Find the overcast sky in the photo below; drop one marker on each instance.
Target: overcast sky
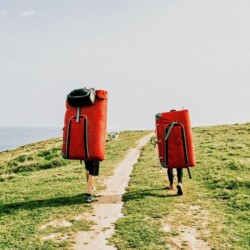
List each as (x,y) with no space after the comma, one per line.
(150,55)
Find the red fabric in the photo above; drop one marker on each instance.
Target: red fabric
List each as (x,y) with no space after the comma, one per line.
(96,116)
(171,154)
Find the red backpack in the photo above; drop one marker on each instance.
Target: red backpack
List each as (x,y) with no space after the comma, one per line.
(85,124)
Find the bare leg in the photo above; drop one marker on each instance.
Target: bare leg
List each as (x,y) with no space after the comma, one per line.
(91,182)
(87,176)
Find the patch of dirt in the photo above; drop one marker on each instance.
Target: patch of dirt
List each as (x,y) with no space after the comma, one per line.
(57,223)
(189,237)
(56,236)
(109,205)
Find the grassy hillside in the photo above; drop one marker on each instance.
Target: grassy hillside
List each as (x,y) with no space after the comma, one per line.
(214,209)
(38,187)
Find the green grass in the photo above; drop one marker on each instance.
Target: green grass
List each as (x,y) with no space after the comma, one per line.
(37,187)
(223,158)
(215,202)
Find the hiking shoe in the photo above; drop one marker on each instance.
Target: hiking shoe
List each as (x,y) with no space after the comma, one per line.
(170,187)
(179,189)
(90,198)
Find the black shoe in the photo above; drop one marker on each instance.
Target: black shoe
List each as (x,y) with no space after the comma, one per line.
(179,189)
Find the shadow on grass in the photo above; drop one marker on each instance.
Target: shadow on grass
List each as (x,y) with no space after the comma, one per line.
(79,199)
(132,195)
(35,204)
(141,194)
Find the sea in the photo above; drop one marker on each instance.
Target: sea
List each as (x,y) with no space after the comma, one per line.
(14,137)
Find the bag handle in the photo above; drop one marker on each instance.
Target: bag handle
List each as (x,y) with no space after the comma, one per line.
(85,134)
(172,125)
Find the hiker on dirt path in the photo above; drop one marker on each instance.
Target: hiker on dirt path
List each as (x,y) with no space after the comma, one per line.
(170,174)
(92,170)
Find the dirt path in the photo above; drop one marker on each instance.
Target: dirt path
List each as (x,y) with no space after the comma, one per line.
(108,208)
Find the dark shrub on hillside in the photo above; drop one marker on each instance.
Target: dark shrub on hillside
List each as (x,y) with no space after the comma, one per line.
(43,153)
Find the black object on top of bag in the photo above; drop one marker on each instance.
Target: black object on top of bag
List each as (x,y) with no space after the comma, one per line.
(81,97)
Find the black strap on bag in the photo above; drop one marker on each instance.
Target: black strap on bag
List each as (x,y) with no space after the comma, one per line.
(168,131)
(81,97)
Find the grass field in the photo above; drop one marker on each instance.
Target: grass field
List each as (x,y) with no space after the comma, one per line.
(214,207)
(37,186)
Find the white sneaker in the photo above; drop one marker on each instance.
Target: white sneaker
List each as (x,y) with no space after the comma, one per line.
(90,198)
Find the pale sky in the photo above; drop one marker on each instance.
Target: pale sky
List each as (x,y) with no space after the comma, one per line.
(150,55)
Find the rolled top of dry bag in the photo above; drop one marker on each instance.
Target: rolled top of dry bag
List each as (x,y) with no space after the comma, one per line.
(81,97)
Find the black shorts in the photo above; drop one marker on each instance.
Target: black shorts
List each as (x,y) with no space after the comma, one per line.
(92,167)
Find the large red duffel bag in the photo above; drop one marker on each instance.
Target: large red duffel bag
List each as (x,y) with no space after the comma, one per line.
(175,139)
(85,123)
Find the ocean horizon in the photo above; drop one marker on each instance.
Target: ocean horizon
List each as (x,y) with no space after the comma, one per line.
(14,137)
